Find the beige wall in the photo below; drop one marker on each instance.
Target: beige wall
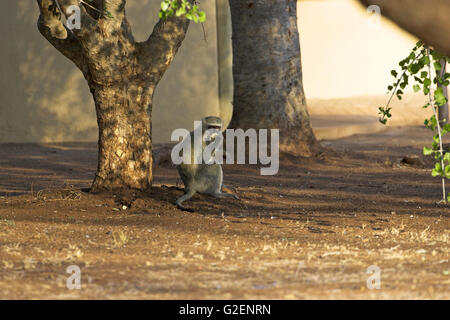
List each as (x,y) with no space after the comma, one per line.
(45,98)
(346,68)
(347,61)
(342,55)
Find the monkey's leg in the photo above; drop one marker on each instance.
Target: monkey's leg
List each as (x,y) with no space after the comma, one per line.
(183,198)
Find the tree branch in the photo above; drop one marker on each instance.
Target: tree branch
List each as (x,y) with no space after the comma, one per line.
(51,27)
(51,18)
(116,8)
(88,24)
(428,20)
(160,48)
(111,15)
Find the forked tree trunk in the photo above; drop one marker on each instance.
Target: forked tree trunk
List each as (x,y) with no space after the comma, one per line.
(268,88)
(122,75)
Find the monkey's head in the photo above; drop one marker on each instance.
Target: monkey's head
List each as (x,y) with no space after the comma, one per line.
(212,123)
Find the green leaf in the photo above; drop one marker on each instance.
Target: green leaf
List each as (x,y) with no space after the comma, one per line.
(437,171)
(437,55)
(427,151)
(181,11)
(436,138)
(414,68)
(447,172)
(447,158)
(437,66)
(446,127)
(439,97)
(394,73)
(164,5)
(434,145)
(202,16)
(416,88)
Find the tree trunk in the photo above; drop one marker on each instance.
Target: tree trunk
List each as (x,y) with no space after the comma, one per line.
(268,88)
(122,75)
(443,110)
(125,146)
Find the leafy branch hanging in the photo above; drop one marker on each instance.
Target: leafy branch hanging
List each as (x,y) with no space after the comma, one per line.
(418,66)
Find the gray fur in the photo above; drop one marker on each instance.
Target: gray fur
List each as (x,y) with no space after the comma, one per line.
(202,178)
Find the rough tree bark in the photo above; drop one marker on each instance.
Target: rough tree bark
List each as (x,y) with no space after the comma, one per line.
(268,88)
(428,20)
(122,75)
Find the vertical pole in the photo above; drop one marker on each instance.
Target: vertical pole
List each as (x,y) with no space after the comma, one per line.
(224,60)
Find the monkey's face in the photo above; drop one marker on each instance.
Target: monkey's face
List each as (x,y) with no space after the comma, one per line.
(212,127)
(212,123)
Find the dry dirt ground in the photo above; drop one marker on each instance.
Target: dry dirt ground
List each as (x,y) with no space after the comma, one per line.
(310,232)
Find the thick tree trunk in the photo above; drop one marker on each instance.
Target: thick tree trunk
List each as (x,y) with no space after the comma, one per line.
(443,110)
(268,89)
(122,75)
(125,146)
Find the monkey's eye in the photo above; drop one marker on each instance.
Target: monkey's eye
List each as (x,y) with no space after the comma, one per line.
(214,127)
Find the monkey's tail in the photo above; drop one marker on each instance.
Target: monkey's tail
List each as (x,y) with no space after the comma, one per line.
(182,208)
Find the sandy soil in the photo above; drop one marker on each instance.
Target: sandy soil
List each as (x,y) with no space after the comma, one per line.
(312,231)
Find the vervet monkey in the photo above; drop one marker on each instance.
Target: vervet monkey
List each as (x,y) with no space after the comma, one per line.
(202,178)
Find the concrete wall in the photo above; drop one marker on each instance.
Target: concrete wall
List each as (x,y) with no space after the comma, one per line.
(343,54)
(45,98)
(347,58)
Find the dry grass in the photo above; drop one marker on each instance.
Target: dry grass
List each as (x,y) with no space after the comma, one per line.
(62,193)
